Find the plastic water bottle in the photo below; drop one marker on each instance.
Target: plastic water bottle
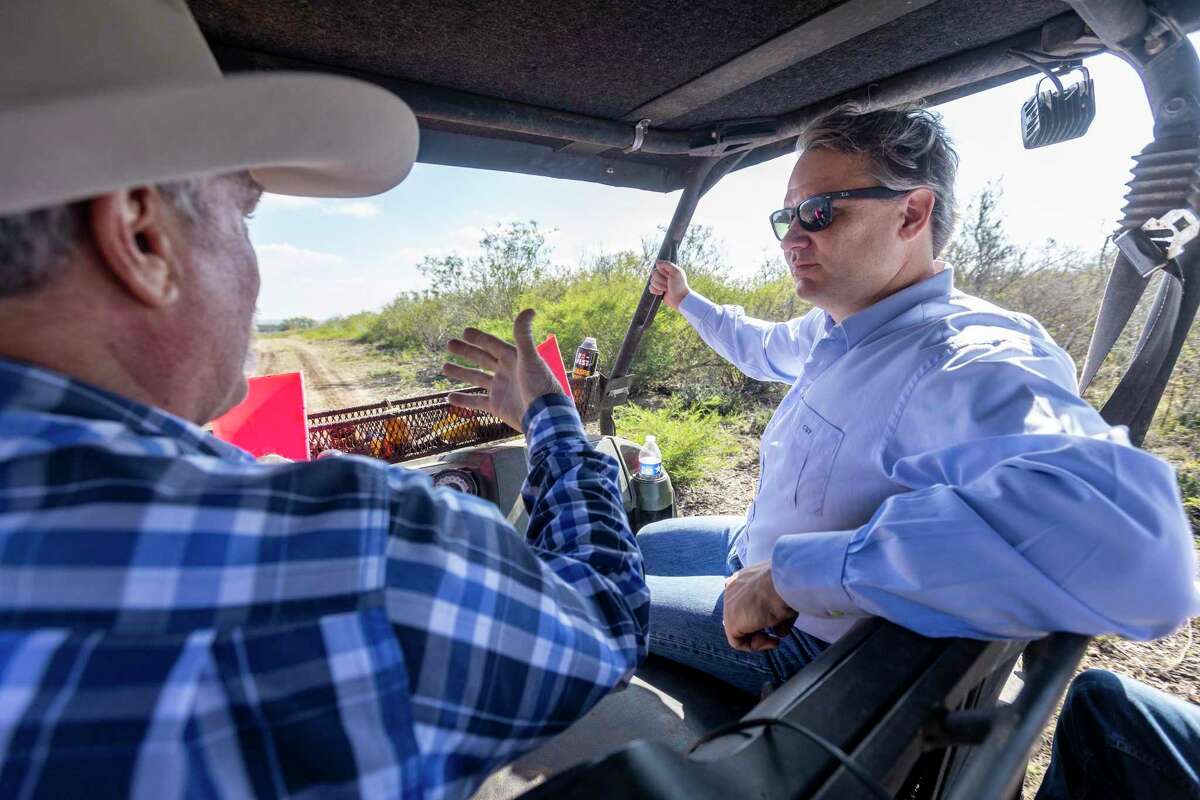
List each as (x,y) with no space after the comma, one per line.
(653,495)
(649,460)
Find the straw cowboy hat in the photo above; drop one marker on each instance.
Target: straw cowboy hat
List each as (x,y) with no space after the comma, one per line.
(98,95)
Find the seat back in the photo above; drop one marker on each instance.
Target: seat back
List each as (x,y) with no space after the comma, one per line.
(885,695)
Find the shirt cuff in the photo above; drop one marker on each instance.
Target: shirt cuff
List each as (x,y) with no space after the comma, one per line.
(807,570)
(697,309)
(549,419)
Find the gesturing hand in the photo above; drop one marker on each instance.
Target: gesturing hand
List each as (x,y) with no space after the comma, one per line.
(518,375)
(751,606)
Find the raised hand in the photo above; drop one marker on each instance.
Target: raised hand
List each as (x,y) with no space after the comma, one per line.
(670,281)
(513,376)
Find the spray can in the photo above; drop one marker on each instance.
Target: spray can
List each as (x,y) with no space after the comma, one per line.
(587,358)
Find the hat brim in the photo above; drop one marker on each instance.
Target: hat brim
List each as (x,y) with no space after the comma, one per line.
(298,133)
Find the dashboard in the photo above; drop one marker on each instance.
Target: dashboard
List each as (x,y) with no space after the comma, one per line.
(496,472)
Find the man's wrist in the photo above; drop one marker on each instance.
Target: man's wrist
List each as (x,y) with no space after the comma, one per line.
(807,571)
(549,419)
(696,308)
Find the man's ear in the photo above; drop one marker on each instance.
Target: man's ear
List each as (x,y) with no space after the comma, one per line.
(138,240)
(918,209)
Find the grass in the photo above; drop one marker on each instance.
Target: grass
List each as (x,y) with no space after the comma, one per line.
(694,441)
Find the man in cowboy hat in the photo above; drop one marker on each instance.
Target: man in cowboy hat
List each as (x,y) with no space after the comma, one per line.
(174,617)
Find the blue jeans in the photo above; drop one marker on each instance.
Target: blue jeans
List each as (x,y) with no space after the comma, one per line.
(687,561)
(1120,738)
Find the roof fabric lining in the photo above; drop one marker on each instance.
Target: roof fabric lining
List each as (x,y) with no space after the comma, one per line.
(606,59)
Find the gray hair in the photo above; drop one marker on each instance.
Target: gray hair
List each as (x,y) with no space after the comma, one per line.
(34,244)
(908,148)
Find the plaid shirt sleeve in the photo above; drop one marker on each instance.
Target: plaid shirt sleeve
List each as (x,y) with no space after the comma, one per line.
(507,641)
(179,621)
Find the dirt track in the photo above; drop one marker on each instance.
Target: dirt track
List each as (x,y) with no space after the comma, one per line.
(326,384)
(338,374)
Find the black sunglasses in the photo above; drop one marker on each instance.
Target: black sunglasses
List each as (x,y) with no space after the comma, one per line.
(816,213)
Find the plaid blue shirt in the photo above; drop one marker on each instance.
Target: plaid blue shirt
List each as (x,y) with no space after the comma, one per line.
(176,619)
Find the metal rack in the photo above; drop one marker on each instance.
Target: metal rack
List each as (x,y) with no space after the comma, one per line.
(414,427)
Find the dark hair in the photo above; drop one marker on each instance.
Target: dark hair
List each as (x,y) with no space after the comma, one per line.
(908,148)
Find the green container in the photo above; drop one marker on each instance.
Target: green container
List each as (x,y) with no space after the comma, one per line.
(654,499)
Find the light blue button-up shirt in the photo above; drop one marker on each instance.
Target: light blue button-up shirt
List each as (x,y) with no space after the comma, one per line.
(933,464)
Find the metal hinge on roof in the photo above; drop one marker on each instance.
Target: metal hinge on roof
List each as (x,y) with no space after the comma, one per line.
(726,137)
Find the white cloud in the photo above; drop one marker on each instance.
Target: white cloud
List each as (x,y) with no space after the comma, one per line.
(411,256)
(298,281)
(362,209)
(359,209)
(465,239)
(283,201)
(290,257)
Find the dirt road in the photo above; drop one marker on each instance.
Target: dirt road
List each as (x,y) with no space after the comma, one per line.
(338,374)
(327,383)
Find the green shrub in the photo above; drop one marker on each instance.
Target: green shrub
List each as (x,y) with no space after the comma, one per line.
(512,259)
(1188,474)
(671,354)
(694,442)
(349,328)
(774,298)
(415,322)
(297,324)
(1187,421)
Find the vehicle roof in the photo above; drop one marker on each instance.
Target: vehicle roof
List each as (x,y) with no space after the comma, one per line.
(557,88)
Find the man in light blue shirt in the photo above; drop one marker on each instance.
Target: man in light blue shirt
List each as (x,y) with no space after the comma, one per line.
(932,463)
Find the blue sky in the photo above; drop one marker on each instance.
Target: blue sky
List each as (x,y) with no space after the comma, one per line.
(321,258)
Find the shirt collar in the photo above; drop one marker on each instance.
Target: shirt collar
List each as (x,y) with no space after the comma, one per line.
(29,388)
(902,306)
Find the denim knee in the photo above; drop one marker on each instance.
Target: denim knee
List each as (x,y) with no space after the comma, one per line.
(1096,696)
(656,527)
